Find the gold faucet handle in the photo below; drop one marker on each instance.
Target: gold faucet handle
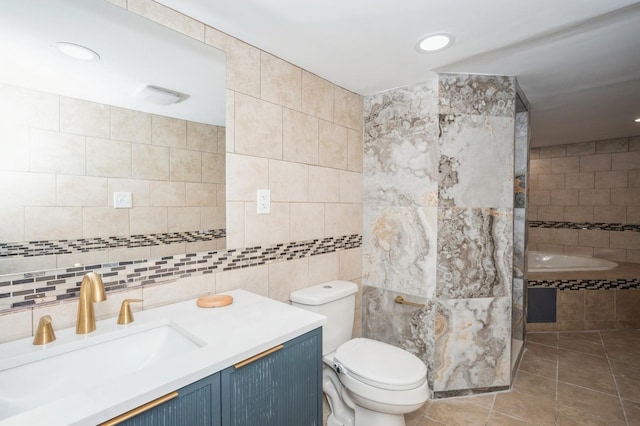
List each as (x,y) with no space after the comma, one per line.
(44,333)
(126,316)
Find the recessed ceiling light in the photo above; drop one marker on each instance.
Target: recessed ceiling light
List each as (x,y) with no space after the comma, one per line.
(637,120)
(77,52)
(434,42)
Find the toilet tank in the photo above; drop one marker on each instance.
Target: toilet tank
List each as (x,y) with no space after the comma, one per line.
(336,300)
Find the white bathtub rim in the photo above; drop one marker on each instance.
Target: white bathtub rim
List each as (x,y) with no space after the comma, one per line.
(566,263)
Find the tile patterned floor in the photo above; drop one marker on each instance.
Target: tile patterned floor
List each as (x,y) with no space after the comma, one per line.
(565,378)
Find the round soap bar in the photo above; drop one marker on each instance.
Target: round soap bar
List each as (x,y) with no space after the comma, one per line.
(214,301)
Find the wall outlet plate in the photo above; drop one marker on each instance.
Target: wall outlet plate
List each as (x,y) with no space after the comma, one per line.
(264,201)
(122,200)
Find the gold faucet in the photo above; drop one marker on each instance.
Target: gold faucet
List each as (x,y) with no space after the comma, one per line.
(91,290)
(45,333)
(126,316)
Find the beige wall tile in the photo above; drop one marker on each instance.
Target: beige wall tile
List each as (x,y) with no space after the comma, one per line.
(348,109)
(539,235)
(324,184)
(243,67)
(184,289)
(104,222)
(108,158)
(185,165)
(565,164)
(552,181)
(88,258)
(351,264)
(27,189)
(333,145)
(350,187)
(534,153)
(258,127)
(288,181)
(14,147)
(53,223)
(617,255)
(627,305)
(317,96)
(580,180)
(355,150)
(20,265)
(633,256)
(634,143)
(149,162)
(578,213)
(553,151)
(111,307)
(246,174)
(81,191)
(213,167)
(148,220)
(540,166)
(202,137)
(235,225)
(169,132)
(594,163)
(565,197)
(300,137)
(286,277)
(593,238)
(168,194)
(625,197)
(307,221)
(213,217)
(280,82)
(265,229)
(570,305)
(168,17)
(594,197)
(610,214)
(140,190)
(181,219)
(625,240)
(584,148)
(12,223)
(324,268)
(633,214)
(634,178)
(255,280)
(222,139)
(539,198)
(230,129)
(53,152)
(552,213)
(612,145)
(578,251)
(563,236)
(342,219)
(201,194)
(123,253)
(16,325)
(84,118)
(614,179)
(131,126)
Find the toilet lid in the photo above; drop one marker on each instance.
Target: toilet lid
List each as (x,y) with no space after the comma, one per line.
(381,365)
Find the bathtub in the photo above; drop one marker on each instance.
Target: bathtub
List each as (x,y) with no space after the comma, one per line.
(551,262)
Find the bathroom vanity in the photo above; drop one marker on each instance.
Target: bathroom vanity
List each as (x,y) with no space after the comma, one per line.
(256,361)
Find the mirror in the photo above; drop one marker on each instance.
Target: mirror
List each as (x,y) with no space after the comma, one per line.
(114,158)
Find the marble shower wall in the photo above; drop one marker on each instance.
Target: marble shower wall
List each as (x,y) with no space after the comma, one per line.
(438,226)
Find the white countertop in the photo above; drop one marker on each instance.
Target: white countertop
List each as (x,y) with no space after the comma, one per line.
(250,325)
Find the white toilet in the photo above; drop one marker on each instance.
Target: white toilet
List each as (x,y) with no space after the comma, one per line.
(367,383)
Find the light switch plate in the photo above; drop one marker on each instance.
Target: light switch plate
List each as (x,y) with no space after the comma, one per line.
(122,200)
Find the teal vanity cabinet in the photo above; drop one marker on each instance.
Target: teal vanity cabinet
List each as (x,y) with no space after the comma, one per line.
(197,404)
(281,386)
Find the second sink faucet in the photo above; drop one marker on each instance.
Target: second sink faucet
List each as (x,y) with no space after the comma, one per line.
(91,290)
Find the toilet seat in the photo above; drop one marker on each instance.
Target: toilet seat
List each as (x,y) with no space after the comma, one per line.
(380,365)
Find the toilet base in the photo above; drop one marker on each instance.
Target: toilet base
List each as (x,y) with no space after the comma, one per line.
(364,416)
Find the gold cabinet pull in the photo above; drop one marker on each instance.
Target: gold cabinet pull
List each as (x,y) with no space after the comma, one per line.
(400,299)
(141,409)
(258,356)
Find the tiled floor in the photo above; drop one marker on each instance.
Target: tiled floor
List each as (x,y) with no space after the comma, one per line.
(566,378)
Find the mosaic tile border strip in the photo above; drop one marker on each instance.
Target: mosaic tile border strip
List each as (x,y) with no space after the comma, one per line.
(84,245)
(584,226)
(21,290)
(617,284)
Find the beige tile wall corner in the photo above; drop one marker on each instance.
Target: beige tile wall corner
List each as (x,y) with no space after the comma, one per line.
(315,104)
(592,182)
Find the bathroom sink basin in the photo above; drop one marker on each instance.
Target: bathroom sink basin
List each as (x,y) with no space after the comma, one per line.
(64,368)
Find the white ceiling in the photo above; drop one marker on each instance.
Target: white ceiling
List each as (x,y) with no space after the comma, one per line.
(578,61)
(134,52)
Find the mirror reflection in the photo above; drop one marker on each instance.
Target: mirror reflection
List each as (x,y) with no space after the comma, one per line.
(116,153)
